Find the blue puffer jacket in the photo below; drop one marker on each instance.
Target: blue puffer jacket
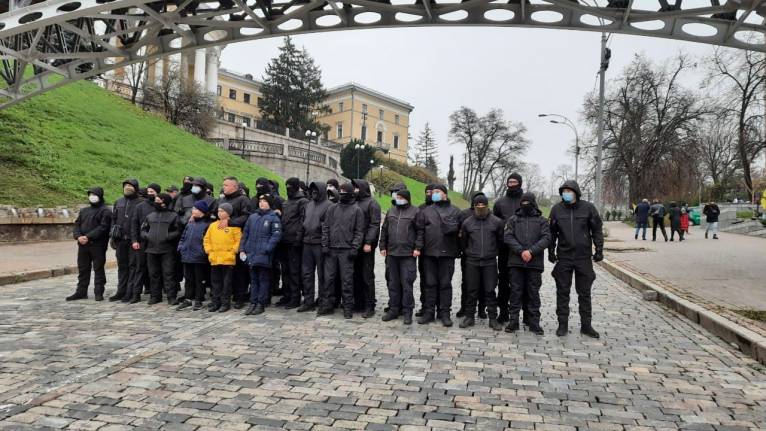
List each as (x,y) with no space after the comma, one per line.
(190,247)
(260,236)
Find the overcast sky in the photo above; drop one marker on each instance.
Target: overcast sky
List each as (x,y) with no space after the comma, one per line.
(522,71)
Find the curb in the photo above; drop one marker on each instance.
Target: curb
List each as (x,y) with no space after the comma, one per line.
(748,341)
(21,277)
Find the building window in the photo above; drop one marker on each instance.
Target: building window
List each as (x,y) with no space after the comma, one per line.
(380,136)
(396,142)
(380,114)
(247,98)
(339,130)
(259,101)
(363,136)
(364,108)
(340,107)
(396,119)
(219,90)
(233,94)
(246,120)
(231,117)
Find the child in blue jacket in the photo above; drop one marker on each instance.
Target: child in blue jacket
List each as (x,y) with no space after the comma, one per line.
(260,237)
(193,256)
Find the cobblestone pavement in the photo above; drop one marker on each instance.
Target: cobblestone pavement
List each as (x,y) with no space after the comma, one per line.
(107,366)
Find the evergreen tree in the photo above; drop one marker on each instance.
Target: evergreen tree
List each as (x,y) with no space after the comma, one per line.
(356,163)
(425,152)
(293,90)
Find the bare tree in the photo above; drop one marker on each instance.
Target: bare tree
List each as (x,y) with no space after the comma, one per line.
(533,178)
(718,150)
(740,74)
(183,103)
(135,77)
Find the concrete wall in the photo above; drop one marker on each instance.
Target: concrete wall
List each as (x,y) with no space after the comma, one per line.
(21,230)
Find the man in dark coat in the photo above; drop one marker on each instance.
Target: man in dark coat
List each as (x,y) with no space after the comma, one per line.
(481,234)
(401,240)
(160,231)
(505,207)
(311,235)
(342,236)
(428,191)
(364,264)
(293,213)
(642,217)
(127,259)
(711,212)
(675,222)
(139,283)
(527,235)
(464,215)
(576,229)
(657,212)
(91,231)
(241,210)
(439,222)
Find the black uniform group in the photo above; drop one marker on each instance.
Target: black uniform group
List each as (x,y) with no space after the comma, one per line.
(325,234)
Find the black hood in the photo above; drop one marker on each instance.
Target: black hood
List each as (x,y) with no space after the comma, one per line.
(473,196)
(364,188)
(98,191)
(132,182)
(321,189)
(571,184)
(530,197)
(274,187)
(293,186)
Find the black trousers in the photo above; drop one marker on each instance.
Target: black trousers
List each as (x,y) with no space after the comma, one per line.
(401,272)
(125,264)
(673,232)
(240,281)
(422,282)
(503,280)
(364,280)
(91,257)
(584,278)
(312,263)
(194,281)
(221,283)
(480,284)
(658,221)
(525,283)
(464,289)
(138,273)
(338,264)
(162,272)
(438,273)
(291,273)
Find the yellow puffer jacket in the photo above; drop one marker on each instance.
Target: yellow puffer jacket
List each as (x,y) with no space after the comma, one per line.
(222,245)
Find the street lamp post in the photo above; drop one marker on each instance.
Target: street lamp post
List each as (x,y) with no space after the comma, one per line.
(309,134)
(358,147)
(571,125)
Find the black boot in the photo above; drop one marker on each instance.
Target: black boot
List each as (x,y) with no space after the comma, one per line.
(184,304)
(407,319)
(705,235)
(259,309)
(446,321)
(503,316)
(115,298)
(197,306)
(588,331)
(213,307)
(467,322)
(348,314)
(425,318)
(715,236)
(224,308)
(250,310)
(370,312)
(494,324)
(307,307)
(536,329)
(239,305)
(153,301)
(512,327)
(292,305)
(460,313)
(419,313)
(562,330)
(324,310)
(173,301)
(135,300)
(390,315)
(99,297)
(76,296)
(482,313)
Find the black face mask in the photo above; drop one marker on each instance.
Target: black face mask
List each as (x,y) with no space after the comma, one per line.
(291,191)
(157,205)
(315,195)
(527,209)
(346,198)
(514,191)
(186,188)
(332,197)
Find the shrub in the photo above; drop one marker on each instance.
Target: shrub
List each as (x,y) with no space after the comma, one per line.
(415,172)
(383,181)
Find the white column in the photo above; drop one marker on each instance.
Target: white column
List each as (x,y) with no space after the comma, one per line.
(211,77)
(200,68)
(183,67)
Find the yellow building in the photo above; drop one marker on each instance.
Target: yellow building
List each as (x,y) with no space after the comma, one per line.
(238,98)
(358,112)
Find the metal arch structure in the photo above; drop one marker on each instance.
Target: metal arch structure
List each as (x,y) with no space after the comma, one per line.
(45,44)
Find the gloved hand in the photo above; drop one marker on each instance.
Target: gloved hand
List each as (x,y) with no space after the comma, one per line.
(552,257)
(598,256)
(243,256)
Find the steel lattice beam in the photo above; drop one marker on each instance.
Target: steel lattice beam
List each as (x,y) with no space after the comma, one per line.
(47,44)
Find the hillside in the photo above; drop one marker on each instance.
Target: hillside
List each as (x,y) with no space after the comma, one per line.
(417,189)
(56,145)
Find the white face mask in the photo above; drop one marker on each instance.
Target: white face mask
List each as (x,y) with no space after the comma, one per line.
(93,199)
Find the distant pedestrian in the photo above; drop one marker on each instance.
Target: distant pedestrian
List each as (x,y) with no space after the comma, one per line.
(675,222)
(684,218)
(711,212)
(91,231)
(657,211)
(642,218)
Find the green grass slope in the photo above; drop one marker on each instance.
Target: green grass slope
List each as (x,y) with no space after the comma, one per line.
(54,146)
(417,189)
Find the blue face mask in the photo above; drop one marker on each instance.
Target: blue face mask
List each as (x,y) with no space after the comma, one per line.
(568,197)
(196,189)
(436,197)
(401,202)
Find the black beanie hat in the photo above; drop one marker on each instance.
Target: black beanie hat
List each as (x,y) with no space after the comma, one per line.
(268,198)
(405,194)
(480,199)
(441,187)
(156,187)
(166,199)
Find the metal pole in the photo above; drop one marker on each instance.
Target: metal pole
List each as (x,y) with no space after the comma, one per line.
(308,160)
(600,130)
(243,141)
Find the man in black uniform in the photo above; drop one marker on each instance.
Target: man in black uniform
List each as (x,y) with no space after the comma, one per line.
(139,282)
(342,234)
(428,191)
(91,231)
(233,195)
(439,222)
(127,259)
(464,215)
(364,264)
(293,212)
(505,207)
(160,232)
(311,235)
(575,229)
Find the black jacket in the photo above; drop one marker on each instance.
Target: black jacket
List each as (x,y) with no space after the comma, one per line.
(371,211)
(401,235)
(711,213)
(440,224)
(642,212)
(506,206)
(674,213)
(311,232)
(185,202)
(527,232)
(343,227)
(94,221)
(293,212)
(480,239)
(123,209)
(241,205)
(161,231)
(575,228)
(142,211)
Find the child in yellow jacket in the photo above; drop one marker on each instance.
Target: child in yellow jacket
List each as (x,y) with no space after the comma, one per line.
(222,245)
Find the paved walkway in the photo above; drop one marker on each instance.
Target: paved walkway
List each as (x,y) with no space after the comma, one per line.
(729,272)
(107,366)
(18,258)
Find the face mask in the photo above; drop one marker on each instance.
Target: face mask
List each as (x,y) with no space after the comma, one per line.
(186,188)
(526,208)
(158,205)
(151,196)
(400,202)
(436,197)
(93,199)
(196,189)
(568,197)
(346,197)
(481,212)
